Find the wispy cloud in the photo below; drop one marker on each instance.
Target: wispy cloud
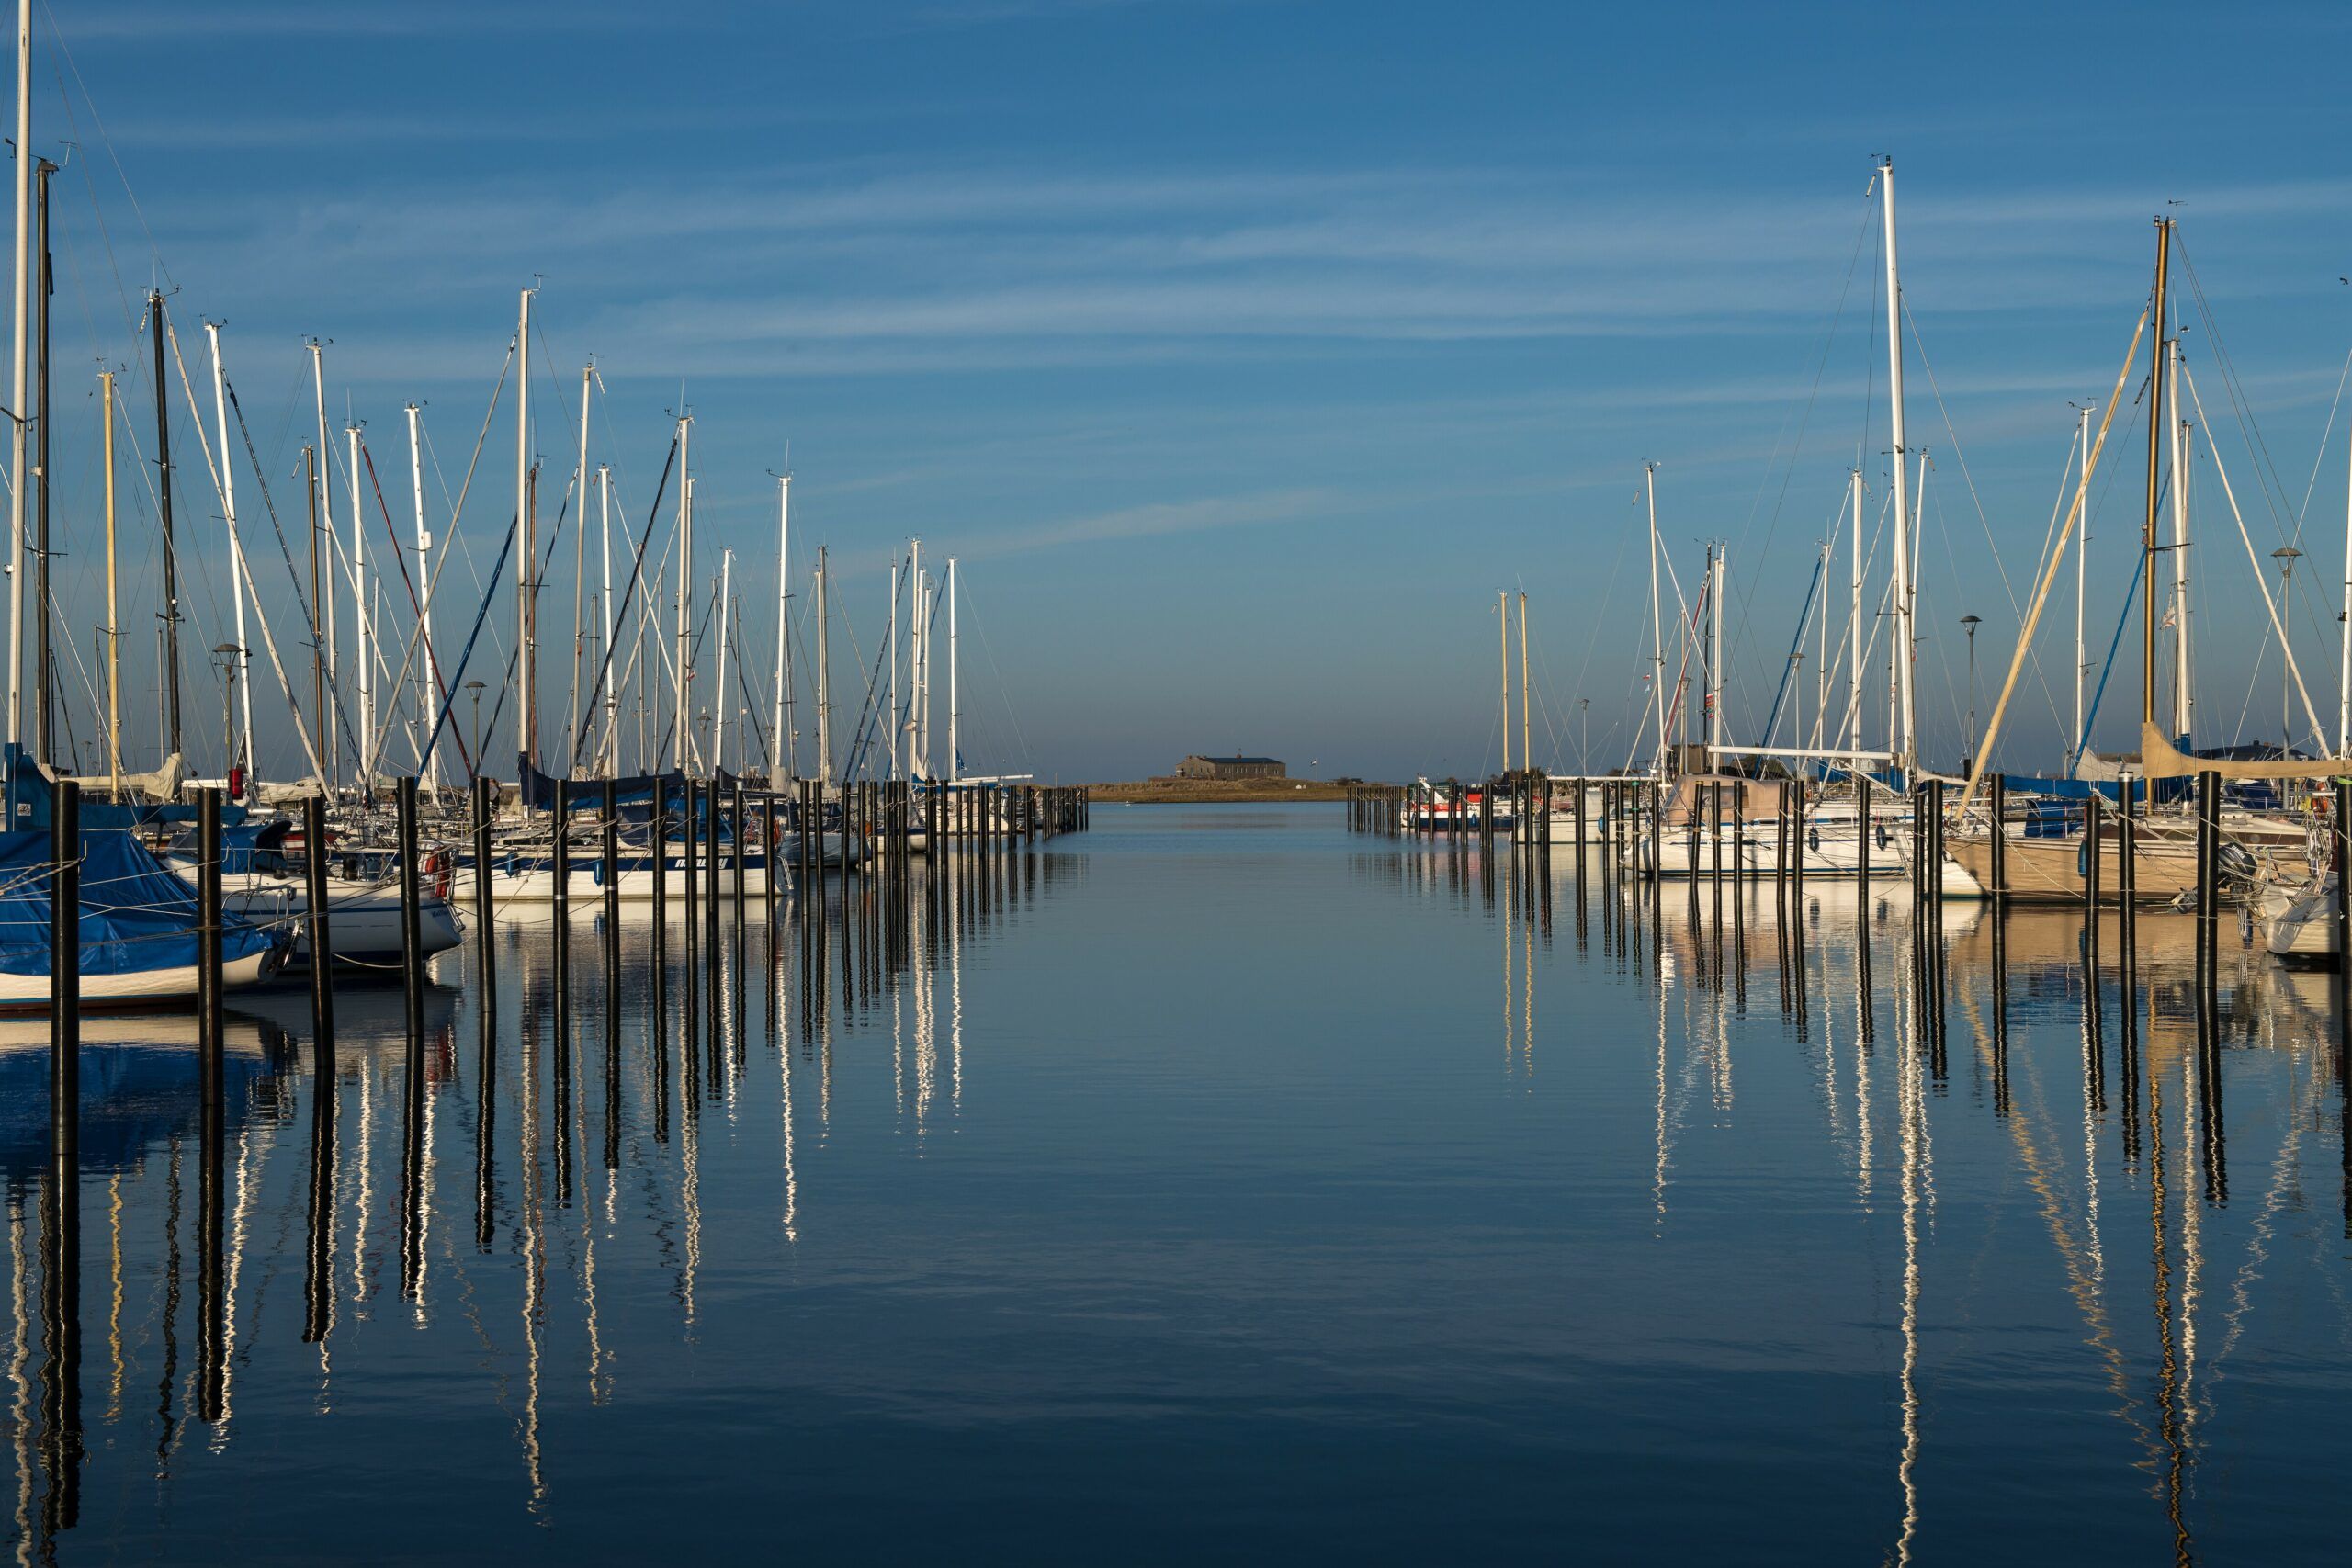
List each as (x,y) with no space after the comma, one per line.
(176,24)
(830,269)
(1255,508)
(981,13)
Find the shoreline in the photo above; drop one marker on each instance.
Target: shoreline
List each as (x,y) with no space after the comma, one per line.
(1216,792)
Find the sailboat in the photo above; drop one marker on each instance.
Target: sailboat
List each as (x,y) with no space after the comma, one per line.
(2047,862)
(138,929)
(1730,820)
(261,883)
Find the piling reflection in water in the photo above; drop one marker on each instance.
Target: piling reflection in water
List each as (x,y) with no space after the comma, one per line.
(2164,1022)
(613,1143)
(195,1185)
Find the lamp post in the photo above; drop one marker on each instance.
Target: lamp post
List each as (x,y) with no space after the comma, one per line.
(224,655)
(1970,623)
(2286,556)
(474,690)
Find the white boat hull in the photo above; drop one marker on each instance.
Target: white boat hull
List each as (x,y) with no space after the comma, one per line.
(172,986)
(362,919)
(2299,921)
(1752,849)
(532,880)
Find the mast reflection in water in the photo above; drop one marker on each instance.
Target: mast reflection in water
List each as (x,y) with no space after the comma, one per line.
(1215,1176)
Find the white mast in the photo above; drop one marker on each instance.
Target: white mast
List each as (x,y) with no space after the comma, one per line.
(1502,620)
(930,603)
(1903,747)
(2182,450)
(526,714)
(824,685)
(579,568)
(1821,638)
(2344,688)
(918,741)
(20,483)
(685,558)
(359,624)
(891,685)
(1854,621)
(325,481)
(1658,628)
(1716,651)
(114,626)
(611,748)
(954,742)
(780,746)
(244,664)
(720,701)
(424,683)
(2082,495)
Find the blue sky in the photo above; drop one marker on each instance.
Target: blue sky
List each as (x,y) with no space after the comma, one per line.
(1242,349)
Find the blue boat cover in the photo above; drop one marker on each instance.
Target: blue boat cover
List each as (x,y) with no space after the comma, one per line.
(136,915)
(539,790)
(250,847)
(27,802)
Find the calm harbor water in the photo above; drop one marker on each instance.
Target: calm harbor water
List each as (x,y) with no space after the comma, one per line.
(1218,1182)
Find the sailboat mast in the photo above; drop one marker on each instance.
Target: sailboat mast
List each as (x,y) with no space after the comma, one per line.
(317,634)
(17,476)
(824,683)
(2081,665)
(1502,625)
(425,602)
(685,557)
(2344,678)
(1854,621)
(611,750)
(954,741)
(526,556)
(890,686)
(780,747)
(916,759)
(928,596)
(360,622)
(572,732)
(2176,430)
(1657,627)
(114,625)
(240,748)
(1903,747)
(2157,355)
(722,702)
(1821,658)
(323,490)
(1718,578)
(45,662)
(1526,744)
(163,513)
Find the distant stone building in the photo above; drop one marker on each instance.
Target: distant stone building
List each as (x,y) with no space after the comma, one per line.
(1234,767)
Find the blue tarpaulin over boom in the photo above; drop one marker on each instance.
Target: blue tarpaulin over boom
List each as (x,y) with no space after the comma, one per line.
(538,790)
(136,915)
(27,794)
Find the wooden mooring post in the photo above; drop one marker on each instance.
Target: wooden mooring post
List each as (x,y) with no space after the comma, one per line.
(315,924)
(65,981)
